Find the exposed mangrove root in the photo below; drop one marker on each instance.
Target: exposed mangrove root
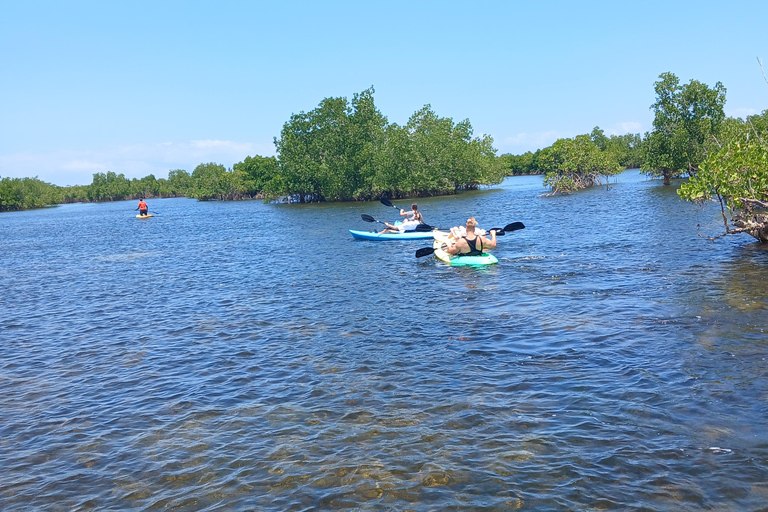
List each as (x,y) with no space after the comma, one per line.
(567,182)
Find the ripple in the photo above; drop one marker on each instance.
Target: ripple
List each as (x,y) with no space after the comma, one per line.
(192,367)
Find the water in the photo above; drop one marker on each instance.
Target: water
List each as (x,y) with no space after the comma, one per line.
(242,356)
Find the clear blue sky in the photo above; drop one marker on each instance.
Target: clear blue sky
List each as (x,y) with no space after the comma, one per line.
(144,87)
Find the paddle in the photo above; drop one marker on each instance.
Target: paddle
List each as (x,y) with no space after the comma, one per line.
(426,251)
(509,227)
(387,202)
(368,218)
(499,231)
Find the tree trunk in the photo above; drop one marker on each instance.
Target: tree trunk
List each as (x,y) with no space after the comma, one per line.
(754,225)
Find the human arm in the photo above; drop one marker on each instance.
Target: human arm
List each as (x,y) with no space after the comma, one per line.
(455,247)
(492,242)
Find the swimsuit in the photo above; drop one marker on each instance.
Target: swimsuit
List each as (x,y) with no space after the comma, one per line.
(474,251)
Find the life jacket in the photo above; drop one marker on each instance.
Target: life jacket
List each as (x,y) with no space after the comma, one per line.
(142,205)
(473,250)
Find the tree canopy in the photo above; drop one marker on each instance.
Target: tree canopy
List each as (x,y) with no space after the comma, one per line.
(687,117)
(341,152)
(27,193)
(573,164)
(627,150)
(736,175)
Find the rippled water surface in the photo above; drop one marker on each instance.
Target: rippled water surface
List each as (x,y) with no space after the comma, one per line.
(243,356)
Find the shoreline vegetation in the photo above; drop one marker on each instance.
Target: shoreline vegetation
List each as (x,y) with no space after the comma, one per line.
(348,151)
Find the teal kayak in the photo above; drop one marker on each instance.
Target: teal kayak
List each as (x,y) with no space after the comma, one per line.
(459,261)
(408,235)
(465,261)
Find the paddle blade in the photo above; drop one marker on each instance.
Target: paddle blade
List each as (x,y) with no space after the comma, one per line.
(387,202)
(514,226)
(425,227)
(367,218)
(424,251)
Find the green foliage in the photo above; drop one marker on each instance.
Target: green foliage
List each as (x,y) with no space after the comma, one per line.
(517,165)
(259,171)
(213,181)
(598,138)
(687,119)
(26,193)
(627,150)
(144,187)
(74,194)
(340,152)
(179,182)
(573,164)
(109,187)
(208,182)
(329,153)
(737,176)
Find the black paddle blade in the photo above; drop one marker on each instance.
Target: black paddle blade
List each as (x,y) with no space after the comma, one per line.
(387,202)
(367,218)
(424,251)
(514,226)
(425,227)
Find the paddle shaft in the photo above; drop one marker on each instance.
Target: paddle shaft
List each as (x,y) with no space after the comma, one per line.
(426,251)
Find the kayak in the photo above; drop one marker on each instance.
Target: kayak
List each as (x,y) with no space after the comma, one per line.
(459,261)
(408,235)
(144,216)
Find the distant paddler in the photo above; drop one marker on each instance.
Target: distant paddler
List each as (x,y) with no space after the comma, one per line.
(143,208)
(412,219)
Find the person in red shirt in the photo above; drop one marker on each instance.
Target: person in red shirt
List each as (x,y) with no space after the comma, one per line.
(142,207)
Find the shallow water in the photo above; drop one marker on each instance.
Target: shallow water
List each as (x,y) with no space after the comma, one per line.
(242,356)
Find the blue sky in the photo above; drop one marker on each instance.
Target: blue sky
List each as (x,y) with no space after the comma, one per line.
(144,87)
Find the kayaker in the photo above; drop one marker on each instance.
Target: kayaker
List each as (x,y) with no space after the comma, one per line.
(143,209)
(412,219)
(473,243)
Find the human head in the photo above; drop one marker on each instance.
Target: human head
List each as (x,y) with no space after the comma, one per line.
(414,207)
(471,223)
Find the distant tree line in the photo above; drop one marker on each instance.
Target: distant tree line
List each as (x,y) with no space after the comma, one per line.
(625,150)
(348,151)
(340,151)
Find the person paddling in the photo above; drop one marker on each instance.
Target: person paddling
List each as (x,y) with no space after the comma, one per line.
(412,219)
(143,209)
(473,243)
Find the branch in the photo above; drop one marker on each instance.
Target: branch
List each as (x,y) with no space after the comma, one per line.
(722,210)
(730,232)
(756,202)
(757,134)
(761,69)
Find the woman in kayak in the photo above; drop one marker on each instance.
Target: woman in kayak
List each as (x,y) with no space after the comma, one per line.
(412,219)
(473,243)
